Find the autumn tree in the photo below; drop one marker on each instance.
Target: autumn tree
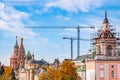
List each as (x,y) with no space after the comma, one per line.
(67,71)
(7,73)
(42,76)
(51,72)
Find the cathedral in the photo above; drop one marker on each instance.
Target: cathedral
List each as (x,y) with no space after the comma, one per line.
(18,56)
(24,64)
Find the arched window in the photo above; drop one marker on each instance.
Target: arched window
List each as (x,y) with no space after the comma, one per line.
(99,50)
(112,74)
(109,50)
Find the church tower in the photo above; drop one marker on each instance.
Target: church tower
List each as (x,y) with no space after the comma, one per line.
(106,42)
(106,62)
(16,47)
(21,54)
(14,58)
(21,50)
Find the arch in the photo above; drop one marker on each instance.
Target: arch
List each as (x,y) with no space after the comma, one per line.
(109,50)
(99,50)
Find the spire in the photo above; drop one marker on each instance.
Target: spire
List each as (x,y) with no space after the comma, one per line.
(105,19)
(21,44)
(16,44)
(16,47)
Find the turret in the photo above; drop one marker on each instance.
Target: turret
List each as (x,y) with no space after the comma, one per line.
(16,47)
(21,55)
(21,50)
(33,57)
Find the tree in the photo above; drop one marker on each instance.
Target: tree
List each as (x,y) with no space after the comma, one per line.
(7,73)
(1,70)
(51,72)
(67,71)
(13,75)
(42,76)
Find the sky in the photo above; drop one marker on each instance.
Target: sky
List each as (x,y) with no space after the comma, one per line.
(48,44)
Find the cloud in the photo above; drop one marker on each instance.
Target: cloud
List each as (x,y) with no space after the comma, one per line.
(4,60)
(59,17)
(12,23)
(75,5)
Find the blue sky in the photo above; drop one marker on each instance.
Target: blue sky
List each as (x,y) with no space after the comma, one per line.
(47,43)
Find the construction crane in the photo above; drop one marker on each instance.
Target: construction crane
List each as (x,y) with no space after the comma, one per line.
(67,27)
(71,41)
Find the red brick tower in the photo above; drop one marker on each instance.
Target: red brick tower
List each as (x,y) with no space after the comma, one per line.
(21,55)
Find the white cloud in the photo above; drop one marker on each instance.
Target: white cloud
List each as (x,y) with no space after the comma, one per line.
(59,17)
(12,23)
(75,5)
(4,60)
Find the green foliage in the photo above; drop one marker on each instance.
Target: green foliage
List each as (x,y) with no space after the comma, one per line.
(83,60)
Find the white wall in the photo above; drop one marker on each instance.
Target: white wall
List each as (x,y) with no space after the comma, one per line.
(90,74)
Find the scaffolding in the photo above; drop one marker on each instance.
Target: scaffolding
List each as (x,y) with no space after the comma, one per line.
(96,36)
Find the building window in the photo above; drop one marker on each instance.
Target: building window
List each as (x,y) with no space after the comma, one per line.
(101,74)
(109,50)
(101,66)
(109,35)
(112,66)
(112,74)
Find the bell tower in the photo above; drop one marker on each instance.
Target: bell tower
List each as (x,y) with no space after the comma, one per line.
(106,42)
